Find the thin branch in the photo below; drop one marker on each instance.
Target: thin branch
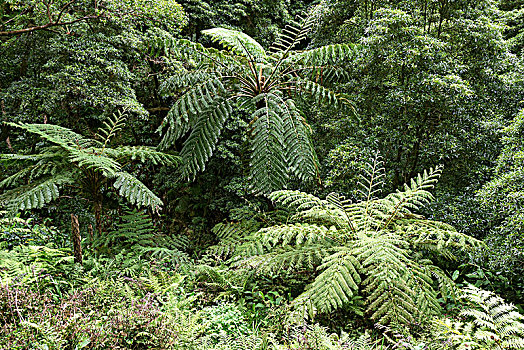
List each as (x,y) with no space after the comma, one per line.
(48,10)
(48,25)
(63,9)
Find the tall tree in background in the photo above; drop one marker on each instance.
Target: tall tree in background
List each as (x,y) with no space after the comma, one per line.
(74,63)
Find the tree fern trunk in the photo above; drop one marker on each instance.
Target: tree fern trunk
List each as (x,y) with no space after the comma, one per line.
(76,238)
(97,208)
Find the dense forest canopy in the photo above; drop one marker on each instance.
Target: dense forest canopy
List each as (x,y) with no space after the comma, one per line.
(261,174)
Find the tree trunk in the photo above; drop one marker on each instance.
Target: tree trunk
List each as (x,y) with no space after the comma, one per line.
(75,233)
(97,208)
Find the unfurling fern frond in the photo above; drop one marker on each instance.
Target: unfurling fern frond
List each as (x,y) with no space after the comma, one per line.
(111,127)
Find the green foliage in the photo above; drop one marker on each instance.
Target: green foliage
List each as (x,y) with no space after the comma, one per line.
(15,231)
(494,325)
(137,236)
(41,268)
(374,247)
(426,82)
(224,319)
(74,159)
(246,78)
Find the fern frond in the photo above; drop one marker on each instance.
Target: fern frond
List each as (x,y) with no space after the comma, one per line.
(142,153)
(37,194)
(203,139)
(391,298)
(174,256)
(189,51)
(286,258)
(413,197)
(268,165)
(435,235)
(215,277)
(183,78)
(319,93)
(296,200)
(372,179)
(90,159)
(329,55)
(301,157)
(238,42)
(201,98)
(16,177)
(58,135)
(232,236)
(335,286)
(111,127)
(297,234)
(495,324)
(294,33)
(135,191)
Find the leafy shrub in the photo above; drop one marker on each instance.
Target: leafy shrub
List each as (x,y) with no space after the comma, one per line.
(108,315)
(224,319)
(15,231)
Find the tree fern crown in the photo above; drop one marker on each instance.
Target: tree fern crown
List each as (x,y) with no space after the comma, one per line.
(268,86)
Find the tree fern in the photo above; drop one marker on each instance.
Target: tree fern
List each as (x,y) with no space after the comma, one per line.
(72,159)
(265,85)
(373,248)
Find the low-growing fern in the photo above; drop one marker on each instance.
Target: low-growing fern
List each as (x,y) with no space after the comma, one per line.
(491,323)
(137,235)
